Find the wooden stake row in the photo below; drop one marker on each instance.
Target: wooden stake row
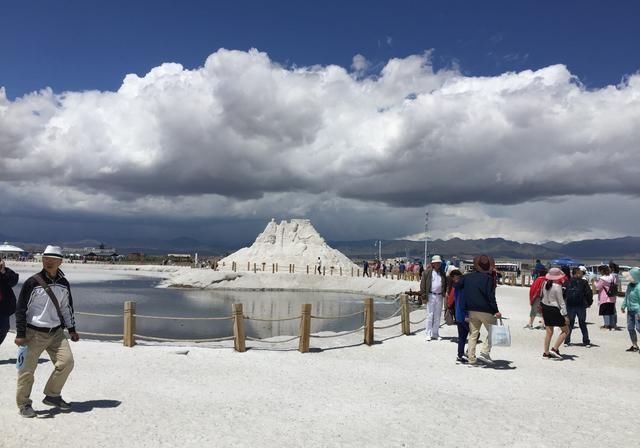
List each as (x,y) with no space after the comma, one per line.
(239,336)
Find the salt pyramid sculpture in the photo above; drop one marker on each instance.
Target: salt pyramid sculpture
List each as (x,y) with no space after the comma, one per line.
(294,242)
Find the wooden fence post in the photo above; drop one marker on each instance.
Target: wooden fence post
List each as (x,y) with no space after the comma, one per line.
(129,339)
(239,340)
(276,267)
(340,271)
(369,318)
(307,269)
(358,273)
(404,315)
(254,268)
(324,270)
(305,328)
(248,266)
(351,272)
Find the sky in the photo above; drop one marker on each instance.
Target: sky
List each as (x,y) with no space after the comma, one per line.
(133,120)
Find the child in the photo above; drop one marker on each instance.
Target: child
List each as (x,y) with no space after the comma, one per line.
(455,303)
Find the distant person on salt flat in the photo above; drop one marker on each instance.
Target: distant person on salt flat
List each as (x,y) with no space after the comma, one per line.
(45,309)
(433,287)
(606,298)
(479,289)
(579,297)
(631,305)
(8,279)
(554,312)
(535,295)
(537,269)
(365,269)
(319,266)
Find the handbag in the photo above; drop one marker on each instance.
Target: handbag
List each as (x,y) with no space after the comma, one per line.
(500,335)
(448,317)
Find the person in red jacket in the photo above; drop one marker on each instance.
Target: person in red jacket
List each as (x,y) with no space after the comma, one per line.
(535,295)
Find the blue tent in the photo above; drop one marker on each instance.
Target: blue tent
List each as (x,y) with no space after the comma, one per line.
(566,261)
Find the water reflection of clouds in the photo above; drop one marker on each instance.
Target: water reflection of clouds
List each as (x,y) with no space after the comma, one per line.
(208,303)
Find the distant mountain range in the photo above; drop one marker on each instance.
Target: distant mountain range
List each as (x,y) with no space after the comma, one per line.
(597,249)
(594,249)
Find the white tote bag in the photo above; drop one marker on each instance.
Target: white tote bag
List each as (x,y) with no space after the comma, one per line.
(500,335)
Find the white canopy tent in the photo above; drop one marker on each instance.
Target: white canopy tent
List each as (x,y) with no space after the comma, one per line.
(7,250)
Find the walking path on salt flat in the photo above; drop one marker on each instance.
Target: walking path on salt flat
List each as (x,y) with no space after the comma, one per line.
(401,392)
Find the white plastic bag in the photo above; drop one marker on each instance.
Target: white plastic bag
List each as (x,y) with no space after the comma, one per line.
(500,335)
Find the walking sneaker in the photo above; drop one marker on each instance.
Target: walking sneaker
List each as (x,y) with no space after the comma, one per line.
(587,345)
(633,348)
(428,338)
(547,355)
(461,360)
(556,353)
(57,402)
(486,358)
(439,338)
(530,327)
(27,411)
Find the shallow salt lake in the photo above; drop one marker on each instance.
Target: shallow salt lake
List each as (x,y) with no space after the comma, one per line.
(108,297)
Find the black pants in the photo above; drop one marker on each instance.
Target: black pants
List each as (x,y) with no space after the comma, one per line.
(581,313)
(463,332)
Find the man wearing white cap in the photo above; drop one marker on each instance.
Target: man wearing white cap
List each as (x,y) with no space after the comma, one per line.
(45,309)
(433,287)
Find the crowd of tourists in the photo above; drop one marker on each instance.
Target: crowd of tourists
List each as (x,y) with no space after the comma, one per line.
(559,296)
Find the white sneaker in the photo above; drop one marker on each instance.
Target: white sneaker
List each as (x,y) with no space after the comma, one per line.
(439,338)
(428,338)
(486,358)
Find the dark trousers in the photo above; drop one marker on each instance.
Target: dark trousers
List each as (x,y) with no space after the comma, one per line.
(463,332)
(581,313)
(4,327)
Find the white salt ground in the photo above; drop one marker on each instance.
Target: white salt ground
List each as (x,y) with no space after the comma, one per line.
(402,392)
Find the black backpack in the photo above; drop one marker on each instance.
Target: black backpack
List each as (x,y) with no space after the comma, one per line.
(573,294)
(613,289)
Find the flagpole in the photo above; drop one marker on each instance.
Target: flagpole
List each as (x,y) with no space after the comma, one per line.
(426,227)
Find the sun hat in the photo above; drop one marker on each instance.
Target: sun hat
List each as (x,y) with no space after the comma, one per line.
(583,268)
(451,268)
(53,252)
(554,274)
(482,263)
(436,259)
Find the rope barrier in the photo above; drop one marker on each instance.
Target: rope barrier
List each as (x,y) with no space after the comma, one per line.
(337,335)
(419,322)
(387,326)
(272,342)
(272,320)
(395,313)
(183,318)
(102,335)
(80,313)
(152,338)
(342,316)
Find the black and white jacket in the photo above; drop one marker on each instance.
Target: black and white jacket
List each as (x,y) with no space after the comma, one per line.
(35,307)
